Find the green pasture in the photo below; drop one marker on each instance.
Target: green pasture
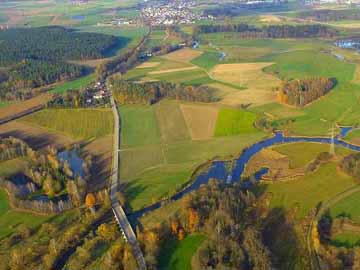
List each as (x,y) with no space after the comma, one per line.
(232,122)
(348,206)
(11,219)
(306,192)
(207,60)
(138,126)
(76,123)
(346,239)
(177,255)
(74,84)
(309,63)
(157,183)
(182,76)
(301,154)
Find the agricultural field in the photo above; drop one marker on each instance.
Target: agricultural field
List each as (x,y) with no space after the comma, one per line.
(76,123)
(232,122)
(162,144)
(258,86)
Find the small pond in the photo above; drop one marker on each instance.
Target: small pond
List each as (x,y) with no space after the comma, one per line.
(74,160)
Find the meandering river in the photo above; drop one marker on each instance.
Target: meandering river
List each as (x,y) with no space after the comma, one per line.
(219,171)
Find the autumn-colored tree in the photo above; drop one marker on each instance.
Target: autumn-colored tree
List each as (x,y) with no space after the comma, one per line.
(90,200)
(181,234)
(174,225)
(193,220)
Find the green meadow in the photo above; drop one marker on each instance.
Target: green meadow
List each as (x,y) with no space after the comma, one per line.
(306,192)
(348,206)
(74,84)
(10,219)
(232,122)
(177,255)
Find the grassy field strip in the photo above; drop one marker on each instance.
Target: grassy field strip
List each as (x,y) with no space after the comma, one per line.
(171,70)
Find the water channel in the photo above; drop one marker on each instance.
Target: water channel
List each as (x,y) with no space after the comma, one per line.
(219,171)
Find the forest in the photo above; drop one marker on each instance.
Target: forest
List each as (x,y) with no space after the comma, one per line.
(241,231)
(325,15)
(127,92)
(269,31)
(35,57)
(43,43)
(302,92)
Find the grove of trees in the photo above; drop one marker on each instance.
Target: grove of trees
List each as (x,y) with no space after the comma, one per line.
(303,91)
(128,92)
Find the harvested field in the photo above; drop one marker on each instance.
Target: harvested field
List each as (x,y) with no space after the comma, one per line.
(171,123)
(35,136)
(269,18)
(172,70)
(200,120)
(20,107)
(183,55)
(148,65)
(259,85)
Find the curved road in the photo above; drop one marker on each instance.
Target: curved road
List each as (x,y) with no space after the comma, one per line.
(119,213)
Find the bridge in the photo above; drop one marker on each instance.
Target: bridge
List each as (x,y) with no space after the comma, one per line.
(118,211)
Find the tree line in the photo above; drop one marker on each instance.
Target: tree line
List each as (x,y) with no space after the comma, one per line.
(128,92)
(325,15)
(269,31)
(303,91)
(351,165)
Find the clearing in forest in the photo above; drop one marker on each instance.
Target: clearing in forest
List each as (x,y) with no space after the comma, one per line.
(200,120)
(259,85)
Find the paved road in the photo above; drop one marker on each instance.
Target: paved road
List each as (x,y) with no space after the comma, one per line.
(119,213)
